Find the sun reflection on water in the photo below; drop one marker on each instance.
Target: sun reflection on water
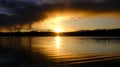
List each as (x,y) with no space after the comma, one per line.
(75,49)
(57,42)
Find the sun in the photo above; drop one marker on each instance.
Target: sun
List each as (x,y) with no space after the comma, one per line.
(58,30)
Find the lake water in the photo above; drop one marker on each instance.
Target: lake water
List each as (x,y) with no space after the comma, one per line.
(65,50)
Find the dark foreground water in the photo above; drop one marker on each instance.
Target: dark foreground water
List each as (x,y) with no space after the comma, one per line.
(59,51)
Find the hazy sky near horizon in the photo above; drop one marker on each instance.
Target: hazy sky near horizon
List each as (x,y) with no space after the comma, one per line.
(67,15)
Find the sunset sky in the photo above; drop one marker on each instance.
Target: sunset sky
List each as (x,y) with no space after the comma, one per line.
(59,15)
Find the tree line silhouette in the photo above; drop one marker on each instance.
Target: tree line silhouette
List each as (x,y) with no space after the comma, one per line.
(97,32)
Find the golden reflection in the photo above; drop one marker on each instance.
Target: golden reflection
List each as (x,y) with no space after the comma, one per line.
(57,41)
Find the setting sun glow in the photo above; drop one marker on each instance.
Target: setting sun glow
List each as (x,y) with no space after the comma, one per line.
(58,30)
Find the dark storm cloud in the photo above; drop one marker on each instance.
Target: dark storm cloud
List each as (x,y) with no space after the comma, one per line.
(28,15)
(106,6)
(32,12)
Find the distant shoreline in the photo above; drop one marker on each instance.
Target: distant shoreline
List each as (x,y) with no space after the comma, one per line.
(100,32)
(60,34)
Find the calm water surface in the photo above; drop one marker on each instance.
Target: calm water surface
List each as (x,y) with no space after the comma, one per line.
(68,50)
(77,49)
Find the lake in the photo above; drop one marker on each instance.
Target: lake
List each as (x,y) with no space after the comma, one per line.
(57,51)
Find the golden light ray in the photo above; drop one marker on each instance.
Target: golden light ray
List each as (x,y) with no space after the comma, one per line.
(55,20)
(57,42)
(55,23)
